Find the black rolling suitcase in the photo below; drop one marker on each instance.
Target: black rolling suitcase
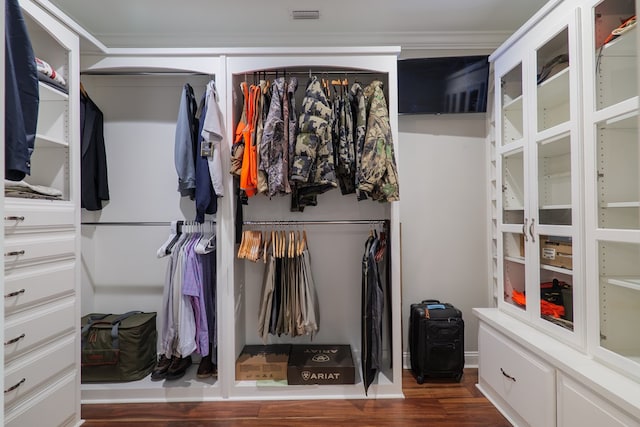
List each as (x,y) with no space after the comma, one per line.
(436,341)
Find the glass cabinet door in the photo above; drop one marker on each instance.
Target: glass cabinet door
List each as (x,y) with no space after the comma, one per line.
(554,157)
(613,224)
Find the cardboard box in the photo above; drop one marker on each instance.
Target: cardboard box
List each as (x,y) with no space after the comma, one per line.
(263,362)
(556,251)
(321,364)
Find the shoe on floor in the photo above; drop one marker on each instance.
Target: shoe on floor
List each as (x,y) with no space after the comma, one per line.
(206,368)
(162,366)
(178,367)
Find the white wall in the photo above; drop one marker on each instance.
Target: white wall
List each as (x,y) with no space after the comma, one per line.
(443,214)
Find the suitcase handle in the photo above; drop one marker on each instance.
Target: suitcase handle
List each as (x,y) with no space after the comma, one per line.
(430,301)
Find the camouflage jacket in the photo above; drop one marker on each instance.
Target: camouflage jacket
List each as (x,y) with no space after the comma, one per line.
(378,174)
(313,162)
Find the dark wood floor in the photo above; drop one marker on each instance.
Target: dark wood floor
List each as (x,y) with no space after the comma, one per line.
(434,403)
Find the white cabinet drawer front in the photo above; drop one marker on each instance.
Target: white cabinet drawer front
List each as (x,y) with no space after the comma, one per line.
(55,406)
(526,383)
(31,247)
(21,216)
(31,285)
(30,373)
(579,406)
(36,327)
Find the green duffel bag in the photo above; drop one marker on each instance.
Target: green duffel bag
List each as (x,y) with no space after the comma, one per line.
(118,347)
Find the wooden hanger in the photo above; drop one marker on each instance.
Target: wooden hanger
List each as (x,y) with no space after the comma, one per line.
(83,91)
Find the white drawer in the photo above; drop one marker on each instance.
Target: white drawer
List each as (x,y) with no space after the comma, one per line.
(55,406)
(523,381)
(27,286)
(579,406)
(31,372)
(36,327)
(24,215)
(20,249)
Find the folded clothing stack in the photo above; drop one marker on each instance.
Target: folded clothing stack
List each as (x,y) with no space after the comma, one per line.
(47,74)
(30,191)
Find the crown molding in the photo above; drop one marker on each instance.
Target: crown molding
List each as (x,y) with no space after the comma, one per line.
(408,41)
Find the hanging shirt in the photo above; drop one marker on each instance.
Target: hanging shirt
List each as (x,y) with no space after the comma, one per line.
(205,196)
(22,96)
(213,132)
(184,150)
(378,171)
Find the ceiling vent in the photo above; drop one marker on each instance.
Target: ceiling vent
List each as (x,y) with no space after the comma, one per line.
(305,14)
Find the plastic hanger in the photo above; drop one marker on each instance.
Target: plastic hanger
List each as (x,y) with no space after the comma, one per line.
(175,231)
(207,243)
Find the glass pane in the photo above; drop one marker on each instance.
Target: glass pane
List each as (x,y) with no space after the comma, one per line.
(553,82)
(511,89)
(513,188)
(616,51)
(619,173)
(556,280)
(554,181)
(619,273)
(514,252)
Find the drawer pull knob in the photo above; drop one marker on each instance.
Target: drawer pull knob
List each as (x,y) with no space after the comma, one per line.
(14,340)
(507,375)
(15,386)
(14,253)
(14,218)
(15,294)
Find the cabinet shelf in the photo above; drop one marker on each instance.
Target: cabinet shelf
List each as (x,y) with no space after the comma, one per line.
(554,207)
(614,205)
(556,269)
(624,45)
(49,93)
(628,282)
(44,141)
(515,259)
(554,91)
(514,104)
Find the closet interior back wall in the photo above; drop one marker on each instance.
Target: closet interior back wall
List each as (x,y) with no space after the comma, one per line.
(120,268)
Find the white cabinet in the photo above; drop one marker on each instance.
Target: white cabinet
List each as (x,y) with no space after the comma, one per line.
(566,166)
(612,172)
(579,406)
(514,375)
(538,165)
(41,248)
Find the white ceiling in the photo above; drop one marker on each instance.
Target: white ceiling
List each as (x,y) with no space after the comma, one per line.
(413,24)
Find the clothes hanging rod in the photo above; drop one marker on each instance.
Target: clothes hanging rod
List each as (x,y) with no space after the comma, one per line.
(282,72)
(143,73)
(142,223)
(319,222)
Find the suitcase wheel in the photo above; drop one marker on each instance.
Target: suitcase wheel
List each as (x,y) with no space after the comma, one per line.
(458,377)
(420,379)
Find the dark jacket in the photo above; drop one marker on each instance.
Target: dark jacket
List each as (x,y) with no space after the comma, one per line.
(95,187)
(21,94)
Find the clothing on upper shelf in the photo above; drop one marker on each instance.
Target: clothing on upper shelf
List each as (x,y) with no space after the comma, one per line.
(186,142)
(22,96)
(30,191)
(44,68)
(341,138)
(93,163)
(198,143)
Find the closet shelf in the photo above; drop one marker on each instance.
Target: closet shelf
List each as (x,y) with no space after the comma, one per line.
(44,141)
(49,93)
(620,205)
(628,282)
